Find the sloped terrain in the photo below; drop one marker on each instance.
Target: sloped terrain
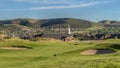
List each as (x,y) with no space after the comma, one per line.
(17,30)
(50,23)
(109,23)
(47,26)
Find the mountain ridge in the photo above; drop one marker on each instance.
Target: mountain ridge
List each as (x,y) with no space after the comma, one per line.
(110,22)
(51,23)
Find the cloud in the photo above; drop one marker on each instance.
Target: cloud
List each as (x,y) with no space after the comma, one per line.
(66,6)
(58,1)
(48,1)
(59,4)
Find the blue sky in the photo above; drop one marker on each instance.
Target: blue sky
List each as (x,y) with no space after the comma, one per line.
(93,10)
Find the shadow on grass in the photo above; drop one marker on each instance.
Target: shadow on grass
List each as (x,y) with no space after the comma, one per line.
(115,46)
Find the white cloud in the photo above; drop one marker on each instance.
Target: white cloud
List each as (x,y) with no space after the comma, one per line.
(48,1)
(60,4)
(67,6)
(59,1)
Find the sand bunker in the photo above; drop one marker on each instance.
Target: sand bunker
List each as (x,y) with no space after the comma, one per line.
(98,51)
(13,48)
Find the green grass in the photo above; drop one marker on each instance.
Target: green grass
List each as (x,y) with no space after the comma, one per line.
(95,26)
(67,54)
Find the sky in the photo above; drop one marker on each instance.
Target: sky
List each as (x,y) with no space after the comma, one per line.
(93,10)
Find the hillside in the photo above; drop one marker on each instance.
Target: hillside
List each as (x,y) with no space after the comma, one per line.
(63,23)
(48,26)
(110,23)
(111,26)
(49,23)
(25,22)
(17,30)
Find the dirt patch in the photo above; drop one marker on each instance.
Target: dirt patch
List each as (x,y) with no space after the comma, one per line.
(99,51)
(13,48)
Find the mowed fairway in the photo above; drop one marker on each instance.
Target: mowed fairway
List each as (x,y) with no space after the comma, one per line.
(57,54)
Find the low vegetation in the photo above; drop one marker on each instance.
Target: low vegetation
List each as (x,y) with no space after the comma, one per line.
(30,27)
(35,52)
(58,54)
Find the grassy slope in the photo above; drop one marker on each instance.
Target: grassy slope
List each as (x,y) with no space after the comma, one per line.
(68,55)
(52,23)
(95,26)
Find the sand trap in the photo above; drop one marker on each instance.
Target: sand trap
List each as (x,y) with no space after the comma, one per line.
(100,51)
(89,52)
(13,48)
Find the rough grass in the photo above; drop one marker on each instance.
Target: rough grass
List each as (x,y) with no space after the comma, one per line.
(95,26)
(67,54)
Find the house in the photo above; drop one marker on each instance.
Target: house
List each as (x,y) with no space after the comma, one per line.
(66,37)
(57,36)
